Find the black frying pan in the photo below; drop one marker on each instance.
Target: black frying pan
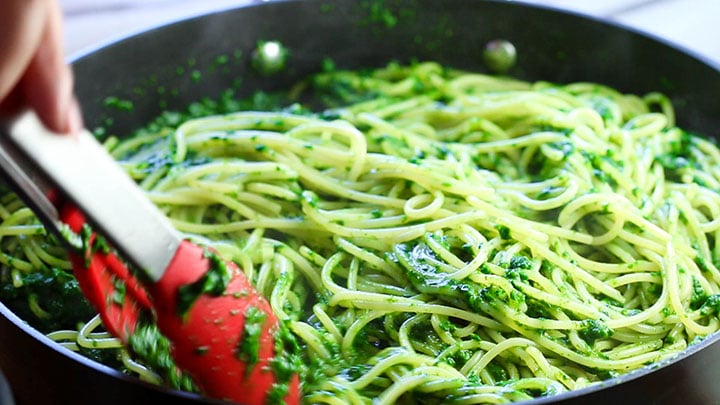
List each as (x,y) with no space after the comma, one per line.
(169,67)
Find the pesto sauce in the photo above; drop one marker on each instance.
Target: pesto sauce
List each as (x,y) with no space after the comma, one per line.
(214,282)
(155,349)
(286,362)
(699,295)
(56,291)
(119,291)
(711,306)
(594,329)
(504,232)
(249,344)
(70,237)
(277,393)
(428,279)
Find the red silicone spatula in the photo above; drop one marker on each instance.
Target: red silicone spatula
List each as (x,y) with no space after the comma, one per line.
(200,302)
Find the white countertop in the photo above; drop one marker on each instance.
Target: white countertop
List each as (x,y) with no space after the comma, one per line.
(691,24)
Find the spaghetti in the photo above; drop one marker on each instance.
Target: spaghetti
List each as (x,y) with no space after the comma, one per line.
(439,235)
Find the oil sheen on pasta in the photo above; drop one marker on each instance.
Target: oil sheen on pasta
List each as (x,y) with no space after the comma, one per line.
(433,235)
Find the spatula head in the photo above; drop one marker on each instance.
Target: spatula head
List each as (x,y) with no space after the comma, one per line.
(106,282)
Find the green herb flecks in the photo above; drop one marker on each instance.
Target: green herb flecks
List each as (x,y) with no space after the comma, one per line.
(379,13)
(504,232)
(711,306)
(248,349)
(119,104)
(214,282)
(594,329)
(154,348)
(286,363)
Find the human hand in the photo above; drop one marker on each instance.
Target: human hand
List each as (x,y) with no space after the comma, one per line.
(33,72)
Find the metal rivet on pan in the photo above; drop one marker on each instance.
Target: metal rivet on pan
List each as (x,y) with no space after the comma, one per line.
(269,57)
(499,55)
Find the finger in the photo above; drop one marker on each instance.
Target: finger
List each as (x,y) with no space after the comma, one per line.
(19,22)
(48,81)
(12,104)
